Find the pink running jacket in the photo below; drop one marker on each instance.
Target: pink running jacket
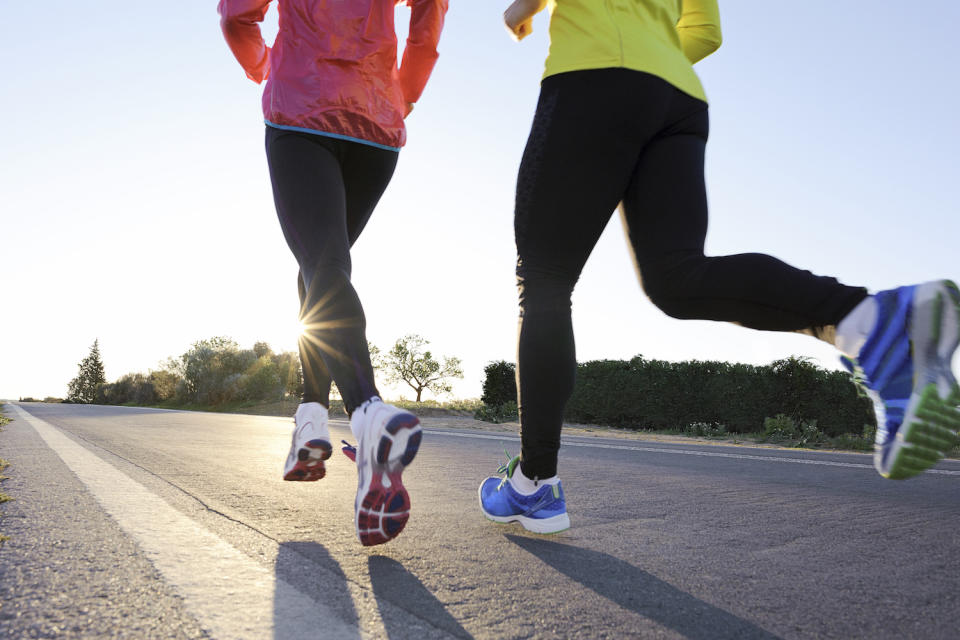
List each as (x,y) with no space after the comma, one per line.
(333,68)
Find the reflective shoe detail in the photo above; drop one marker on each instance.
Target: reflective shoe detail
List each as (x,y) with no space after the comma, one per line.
(349,450)
(907,362)
(389,438)
(544,511)
(310,444)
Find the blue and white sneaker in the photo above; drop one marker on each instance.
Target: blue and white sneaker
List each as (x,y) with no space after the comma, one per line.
(906,360)
(544,511)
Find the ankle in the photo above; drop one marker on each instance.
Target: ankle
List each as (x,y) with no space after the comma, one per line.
(856,327)
(357,422)
(526,485)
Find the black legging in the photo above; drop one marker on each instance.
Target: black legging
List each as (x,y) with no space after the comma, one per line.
(325,190)
(609,136)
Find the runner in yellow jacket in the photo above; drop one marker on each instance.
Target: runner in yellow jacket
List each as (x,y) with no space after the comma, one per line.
(622,120)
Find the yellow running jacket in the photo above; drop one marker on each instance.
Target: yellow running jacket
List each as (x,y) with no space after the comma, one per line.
(661,37)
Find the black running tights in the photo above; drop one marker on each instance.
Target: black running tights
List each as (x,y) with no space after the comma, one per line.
(614,136)
(325,190)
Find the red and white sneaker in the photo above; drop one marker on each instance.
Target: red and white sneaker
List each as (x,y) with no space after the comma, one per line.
(310,444)
(388,439)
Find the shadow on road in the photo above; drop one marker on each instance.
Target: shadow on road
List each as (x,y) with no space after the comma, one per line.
(640,592)
(393,583)
(312,571)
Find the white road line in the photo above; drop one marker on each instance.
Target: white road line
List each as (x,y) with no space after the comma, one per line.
(685,452)
(230,595)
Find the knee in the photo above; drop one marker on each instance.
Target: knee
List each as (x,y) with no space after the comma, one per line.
(544,290)
(670,284)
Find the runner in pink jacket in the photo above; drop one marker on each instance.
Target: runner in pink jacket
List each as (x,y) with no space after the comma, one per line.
(334,106)
(321,79)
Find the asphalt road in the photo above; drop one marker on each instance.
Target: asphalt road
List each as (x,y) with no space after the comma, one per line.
(144,523)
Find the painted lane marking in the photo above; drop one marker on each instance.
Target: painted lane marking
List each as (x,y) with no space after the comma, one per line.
(686,452)
(230,595)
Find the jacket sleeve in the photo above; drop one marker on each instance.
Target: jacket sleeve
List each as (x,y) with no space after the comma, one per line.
(699,28)
(420,53)
(239,21)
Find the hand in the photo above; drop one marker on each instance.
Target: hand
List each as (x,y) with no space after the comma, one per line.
(519,17)
(407,110)
(520,31)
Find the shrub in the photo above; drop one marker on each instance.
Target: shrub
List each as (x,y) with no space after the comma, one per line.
(783,427)
(780,427)
(506,412)
(164,384)
(707,430)
(261,381)
(499,383)
(131,388)
(656,394)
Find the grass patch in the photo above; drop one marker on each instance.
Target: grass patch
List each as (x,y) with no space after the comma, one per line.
(3,497)
(287,407)
(3,465)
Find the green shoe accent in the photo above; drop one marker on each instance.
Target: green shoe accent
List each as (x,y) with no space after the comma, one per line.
(937,318)
(930,436)
(508,468)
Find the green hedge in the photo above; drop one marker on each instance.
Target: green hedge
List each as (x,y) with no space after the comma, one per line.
(656,394)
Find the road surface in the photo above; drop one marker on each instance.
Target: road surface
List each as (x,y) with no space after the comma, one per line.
(145,523)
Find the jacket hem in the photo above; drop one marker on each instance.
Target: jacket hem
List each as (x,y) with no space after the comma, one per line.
(338,136)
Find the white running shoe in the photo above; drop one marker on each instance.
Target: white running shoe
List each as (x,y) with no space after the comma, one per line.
(388,439)
(310,444)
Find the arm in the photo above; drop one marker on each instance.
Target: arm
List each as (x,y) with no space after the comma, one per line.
(239,21)
(699,29)
(420,52)
(519,17)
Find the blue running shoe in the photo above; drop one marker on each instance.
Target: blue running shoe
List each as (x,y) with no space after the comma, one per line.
(542,512)
(906,360)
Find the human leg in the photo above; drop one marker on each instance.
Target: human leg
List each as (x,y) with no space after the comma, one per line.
(575,167)
(578,160)
(665,216)
(311,202)
(310,193)
(904,338)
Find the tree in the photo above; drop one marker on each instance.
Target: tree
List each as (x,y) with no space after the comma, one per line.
(408,362)
(210,367)
(83,388)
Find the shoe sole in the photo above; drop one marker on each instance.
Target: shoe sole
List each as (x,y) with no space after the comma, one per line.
(553,524)
(382,506)
(309,466)
(932,420)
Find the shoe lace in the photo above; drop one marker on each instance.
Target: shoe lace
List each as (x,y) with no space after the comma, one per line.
(862,382)
(508,467)
(349,450)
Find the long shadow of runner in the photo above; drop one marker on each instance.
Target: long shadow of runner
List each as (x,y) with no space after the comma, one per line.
(638,591)
(312,571)
(393,583)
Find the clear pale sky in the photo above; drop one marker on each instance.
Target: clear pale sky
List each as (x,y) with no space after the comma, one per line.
(136,205)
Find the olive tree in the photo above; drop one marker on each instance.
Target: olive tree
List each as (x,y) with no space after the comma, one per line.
(409,361)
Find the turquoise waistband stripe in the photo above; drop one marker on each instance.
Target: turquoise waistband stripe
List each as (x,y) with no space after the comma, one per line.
(331,135)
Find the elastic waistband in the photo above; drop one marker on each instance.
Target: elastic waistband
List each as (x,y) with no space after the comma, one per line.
(327,134)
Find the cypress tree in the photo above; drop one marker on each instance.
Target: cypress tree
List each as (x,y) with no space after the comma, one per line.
(83,388)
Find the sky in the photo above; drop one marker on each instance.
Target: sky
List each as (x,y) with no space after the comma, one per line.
(136,205)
